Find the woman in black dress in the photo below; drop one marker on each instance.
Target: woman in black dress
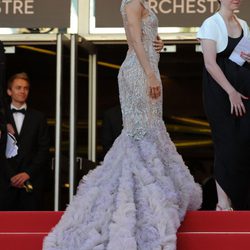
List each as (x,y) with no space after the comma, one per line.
(226,92)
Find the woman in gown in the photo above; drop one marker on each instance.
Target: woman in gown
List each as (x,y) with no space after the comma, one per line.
(136,199)
(226,88)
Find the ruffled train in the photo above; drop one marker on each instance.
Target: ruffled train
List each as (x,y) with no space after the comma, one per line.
(134,201)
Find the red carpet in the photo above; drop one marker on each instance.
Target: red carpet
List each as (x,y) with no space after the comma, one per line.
(215,231)
(25,230)
(199,231)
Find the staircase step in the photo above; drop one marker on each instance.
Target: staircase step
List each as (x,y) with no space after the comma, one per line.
(28,221)
(211,221)
(213,241)
(201,230)
(17,241)
(210,230)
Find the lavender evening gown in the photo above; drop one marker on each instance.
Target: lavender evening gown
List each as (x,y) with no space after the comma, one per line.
(137,198)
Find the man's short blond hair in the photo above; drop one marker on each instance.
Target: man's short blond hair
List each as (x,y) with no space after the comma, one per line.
(21,75)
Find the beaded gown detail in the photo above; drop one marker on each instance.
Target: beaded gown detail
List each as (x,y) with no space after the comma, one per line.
(139,195)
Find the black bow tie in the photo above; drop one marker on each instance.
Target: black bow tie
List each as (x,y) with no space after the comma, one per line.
(18,111)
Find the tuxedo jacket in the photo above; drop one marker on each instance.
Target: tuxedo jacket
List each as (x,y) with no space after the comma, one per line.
(33,147)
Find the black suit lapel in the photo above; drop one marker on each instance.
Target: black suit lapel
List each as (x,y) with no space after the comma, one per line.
(12,122)
(26,122)
(25,129)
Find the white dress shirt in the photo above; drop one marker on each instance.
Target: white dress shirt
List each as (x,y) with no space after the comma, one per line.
(18,117)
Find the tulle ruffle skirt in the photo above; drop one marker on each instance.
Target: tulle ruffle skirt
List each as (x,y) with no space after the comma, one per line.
(135,200)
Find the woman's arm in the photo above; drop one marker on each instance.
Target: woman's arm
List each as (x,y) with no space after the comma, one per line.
(209,54)
(134,11)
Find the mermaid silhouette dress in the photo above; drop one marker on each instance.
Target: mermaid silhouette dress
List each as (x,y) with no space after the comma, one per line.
(139,195)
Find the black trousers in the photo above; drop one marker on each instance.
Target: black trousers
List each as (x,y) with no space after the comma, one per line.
(16,199)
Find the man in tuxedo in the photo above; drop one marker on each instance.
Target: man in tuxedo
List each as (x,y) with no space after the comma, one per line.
(29,166)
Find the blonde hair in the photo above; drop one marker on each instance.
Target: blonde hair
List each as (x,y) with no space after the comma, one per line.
(21,75)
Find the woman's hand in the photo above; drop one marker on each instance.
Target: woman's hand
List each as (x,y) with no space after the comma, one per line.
(154,86)
(245,56)
(237,105)
(158,44)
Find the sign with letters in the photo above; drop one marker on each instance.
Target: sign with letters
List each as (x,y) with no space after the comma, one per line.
(35,13)
(171,13)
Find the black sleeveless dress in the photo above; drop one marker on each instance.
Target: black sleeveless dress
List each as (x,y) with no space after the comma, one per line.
(231,134)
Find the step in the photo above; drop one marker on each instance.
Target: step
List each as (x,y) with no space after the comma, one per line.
(213,241)
(21,241)
(210,230)
(200,230)
(28,221)
(223,221)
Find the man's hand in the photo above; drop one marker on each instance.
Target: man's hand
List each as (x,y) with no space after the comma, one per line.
(19,179)
(10,129)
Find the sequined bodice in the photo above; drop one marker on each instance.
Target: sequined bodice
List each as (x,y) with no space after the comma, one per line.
(149,25)
(140,112)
